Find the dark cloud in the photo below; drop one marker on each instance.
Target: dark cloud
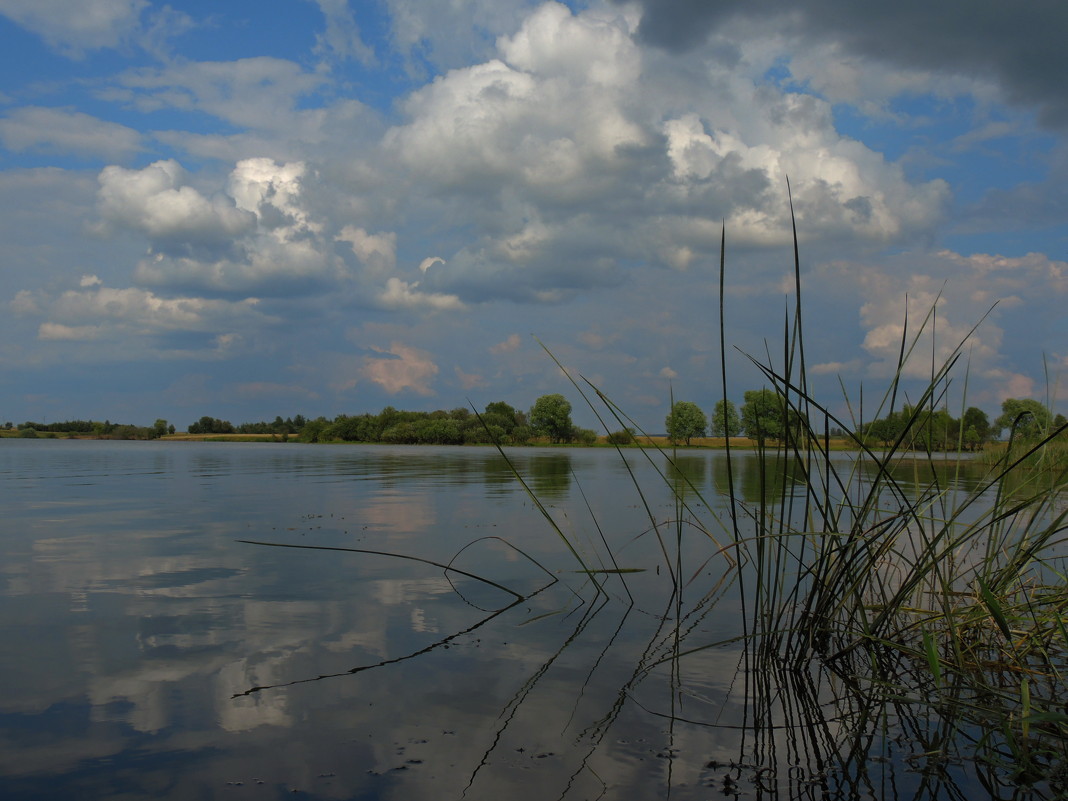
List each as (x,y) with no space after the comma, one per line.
(1020,45)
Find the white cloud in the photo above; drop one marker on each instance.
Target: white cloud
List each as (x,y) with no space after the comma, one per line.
(403,368)
(586,49)
(257,239)
(144,309)
(24,303)
(378,252)
(556,158)
(944,296)
(429,262)
(454,33)
(93,24)
(269,269)
(58,332)
(156,201)
(271,191)
(1004,275)
(469,381)
(573,155)
(259,93)
(139,323)
(63,130)
(510,345)
(404,295)
(342,38)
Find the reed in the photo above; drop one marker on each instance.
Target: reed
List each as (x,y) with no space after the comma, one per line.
(942,610)
(875,611)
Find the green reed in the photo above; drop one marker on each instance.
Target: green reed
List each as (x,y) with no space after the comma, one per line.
(939,609)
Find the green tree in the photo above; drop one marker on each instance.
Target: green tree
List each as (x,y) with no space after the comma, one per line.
(685,421)
(587,436)
(976,427)
(317,430)
(762,415)
(725,420)
(160,427)
(550,416)
(886,430)
(1033,417)
(205,425)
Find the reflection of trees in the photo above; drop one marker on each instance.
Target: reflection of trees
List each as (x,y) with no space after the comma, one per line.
(497,475)
(916,476)
(766,477)
(687,474)
(550,474)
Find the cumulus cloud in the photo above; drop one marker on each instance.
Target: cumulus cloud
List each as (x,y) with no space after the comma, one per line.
(590,48)
(257,238)
(271,191)
(537,115)
(377,252)
(63,130)
(555,158)
(403,368)
(156,201)
(578,161)
(938,301)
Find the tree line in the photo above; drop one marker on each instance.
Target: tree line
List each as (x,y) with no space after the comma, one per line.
(548,419)
(936,429)
(91,428)
(762,417)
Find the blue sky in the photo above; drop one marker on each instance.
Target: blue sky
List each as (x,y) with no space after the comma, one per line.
(330,207)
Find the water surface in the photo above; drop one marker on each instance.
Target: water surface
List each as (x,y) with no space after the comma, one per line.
(151,654)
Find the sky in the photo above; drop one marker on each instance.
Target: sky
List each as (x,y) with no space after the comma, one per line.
(325,207)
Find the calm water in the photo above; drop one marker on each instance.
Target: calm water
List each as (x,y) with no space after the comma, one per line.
(150,654)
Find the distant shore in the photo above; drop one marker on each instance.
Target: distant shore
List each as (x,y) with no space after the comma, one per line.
(656,441)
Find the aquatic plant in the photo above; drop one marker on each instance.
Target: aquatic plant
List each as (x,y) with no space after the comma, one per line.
(882,616)
(872,611)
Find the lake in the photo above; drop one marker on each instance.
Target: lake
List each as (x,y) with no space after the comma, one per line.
(150,653)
